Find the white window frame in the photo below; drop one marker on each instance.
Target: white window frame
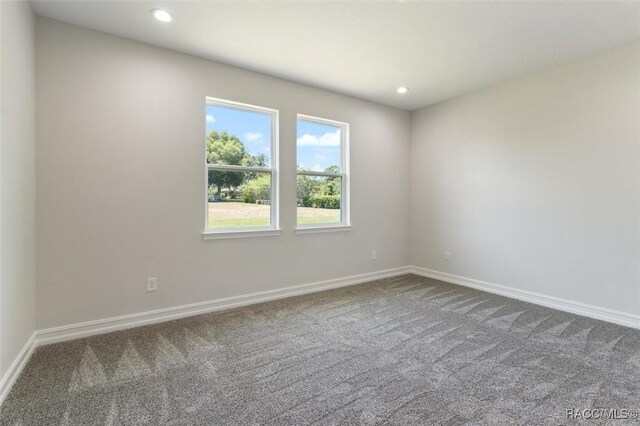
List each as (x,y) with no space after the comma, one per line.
(273,229)
(345,216)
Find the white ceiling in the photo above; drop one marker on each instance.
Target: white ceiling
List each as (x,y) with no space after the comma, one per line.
(367,49)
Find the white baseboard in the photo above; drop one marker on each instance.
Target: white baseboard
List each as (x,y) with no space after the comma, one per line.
(76,331)
(16,367)
(597,312)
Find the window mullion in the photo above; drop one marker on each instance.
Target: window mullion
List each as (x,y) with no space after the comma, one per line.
(231,168)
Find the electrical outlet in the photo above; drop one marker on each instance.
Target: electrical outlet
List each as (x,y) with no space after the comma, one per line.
(447,256)
(152,284)
(374,255)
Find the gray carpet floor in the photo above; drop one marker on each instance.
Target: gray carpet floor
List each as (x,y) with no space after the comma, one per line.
(402,351)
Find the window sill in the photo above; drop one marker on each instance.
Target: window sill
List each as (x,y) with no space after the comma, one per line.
(323,229)
(248,233)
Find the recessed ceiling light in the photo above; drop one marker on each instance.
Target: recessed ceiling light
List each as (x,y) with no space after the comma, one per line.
(402,90)
(162,15)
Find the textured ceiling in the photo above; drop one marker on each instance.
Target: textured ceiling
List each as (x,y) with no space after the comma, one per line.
(367,49)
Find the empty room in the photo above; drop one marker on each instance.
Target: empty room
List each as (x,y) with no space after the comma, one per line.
(356,212)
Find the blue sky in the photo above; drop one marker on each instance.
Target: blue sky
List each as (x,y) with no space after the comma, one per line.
(318,144)
(253,129)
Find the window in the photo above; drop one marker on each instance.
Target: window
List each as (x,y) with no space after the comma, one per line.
(241,169)
(323,179)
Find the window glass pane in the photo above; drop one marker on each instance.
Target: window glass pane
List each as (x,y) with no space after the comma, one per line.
(238,199)
(318,147)
(238,137)
(319,199)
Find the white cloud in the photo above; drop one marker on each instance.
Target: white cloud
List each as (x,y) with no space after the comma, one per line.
(211,118)
(253,136)
(318,156)
(326,139)
(314,168)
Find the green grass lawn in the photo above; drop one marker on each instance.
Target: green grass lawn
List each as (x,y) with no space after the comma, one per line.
(308,220)
(237,223)
(234,214)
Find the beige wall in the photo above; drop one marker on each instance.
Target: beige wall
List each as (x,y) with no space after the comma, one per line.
(120,181)
(531,184)
(17,181)
(534,183)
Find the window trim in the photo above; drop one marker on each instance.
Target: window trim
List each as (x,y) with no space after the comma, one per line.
(273,229)
(344,175)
